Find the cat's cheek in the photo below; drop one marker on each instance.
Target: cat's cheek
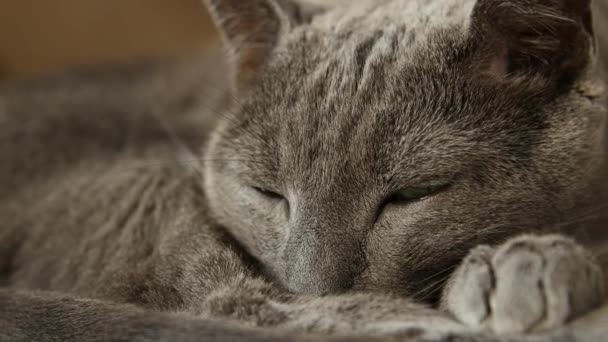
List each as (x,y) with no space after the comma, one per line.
(232,210)
(260,225)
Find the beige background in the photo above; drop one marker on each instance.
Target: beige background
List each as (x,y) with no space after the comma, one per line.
(38,36)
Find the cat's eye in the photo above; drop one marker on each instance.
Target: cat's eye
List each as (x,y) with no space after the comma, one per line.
(415,193)
(269,194)
(276,200)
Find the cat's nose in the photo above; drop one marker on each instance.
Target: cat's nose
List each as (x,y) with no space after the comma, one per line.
(317,267)
(312,277)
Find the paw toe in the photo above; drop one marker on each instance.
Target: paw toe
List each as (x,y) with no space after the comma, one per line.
(517,302)
(468,292)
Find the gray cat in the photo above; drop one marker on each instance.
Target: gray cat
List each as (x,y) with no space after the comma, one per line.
(375,168)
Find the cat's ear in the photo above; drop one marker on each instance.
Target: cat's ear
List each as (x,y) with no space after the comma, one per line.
(251,29)
(548,38)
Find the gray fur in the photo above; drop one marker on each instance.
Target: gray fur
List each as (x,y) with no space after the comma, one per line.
(333,109)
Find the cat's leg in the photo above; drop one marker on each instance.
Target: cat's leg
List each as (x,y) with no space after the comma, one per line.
(258,303)
(528,284)
(46,316)
(235,307)
(233,293)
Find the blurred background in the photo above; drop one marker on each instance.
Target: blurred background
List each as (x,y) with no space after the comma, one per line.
(44,36)
(41,36)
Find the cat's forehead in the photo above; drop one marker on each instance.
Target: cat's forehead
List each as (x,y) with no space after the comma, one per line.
(350,50)
(367,77)
(367,59)
(414,15)
(377,27)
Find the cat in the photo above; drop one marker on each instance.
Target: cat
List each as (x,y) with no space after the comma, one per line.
(418,168)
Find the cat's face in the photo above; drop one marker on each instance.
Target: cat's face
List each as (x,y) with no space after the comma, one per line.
(378,143)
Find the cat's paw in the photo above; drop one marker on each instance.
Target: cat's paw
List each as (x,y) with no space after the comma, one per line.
(528,284)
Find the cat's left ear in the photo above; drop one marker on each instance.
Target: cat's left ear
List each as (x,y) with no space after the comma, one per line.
(523,38)
(251,29)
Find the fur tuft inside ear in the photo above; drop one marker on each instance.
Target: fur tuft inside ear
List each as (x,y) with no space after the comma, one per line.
(552,38)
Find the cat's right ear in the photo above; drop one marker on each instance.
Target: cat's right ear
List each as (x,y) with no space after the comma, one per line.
(251,29)
(552,39)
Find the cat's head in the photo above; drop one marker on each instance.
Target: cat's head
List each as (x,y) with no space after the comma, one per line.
(370,145)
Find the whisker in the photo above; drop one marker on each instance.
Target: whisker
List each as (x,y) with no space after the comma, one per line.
(430,289)
(431,292)
(447,269)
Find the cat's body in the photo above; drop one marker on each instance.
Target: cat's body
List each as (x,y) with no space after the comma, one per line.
(100,203)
